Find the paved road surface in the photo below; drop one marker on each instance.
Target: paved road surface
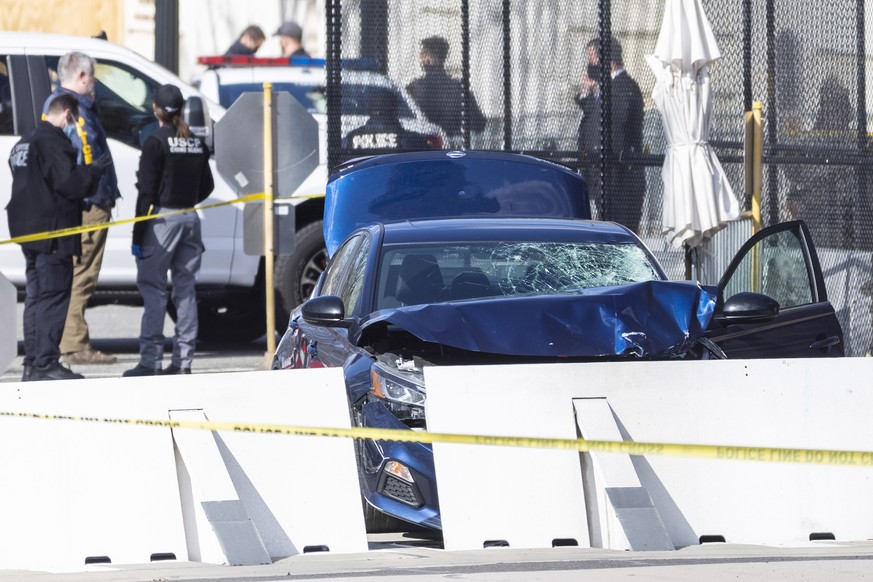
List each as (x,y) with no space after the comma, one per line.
(825,561)
(114,329)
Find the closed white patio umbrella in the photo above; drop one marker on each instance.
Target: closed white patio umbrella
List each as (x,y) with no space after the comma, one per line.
(698,200)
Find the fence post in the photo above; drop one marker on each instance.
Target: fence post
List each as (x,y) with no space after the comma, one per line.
(753,166)
(507,75)
(861,237)
(268,220)
(465,70)
(753,162)
(747,54)
(334,81)
(772,109)
(167,34)
(605,107)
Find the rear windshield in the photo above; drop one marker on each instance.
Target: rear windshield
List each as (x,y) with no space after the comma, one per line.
(451,188)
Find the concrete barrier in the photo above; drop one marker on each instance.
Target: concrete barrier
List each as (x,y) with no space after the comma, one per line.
(8,343)
(81,492)
(91,492)
(489,493)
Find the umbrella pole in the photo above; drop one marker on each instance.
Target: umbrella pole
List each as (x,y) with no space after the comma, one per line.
(688,262)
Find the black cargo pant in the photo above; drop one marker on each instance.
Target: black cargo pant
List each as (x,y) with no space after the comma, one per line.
(49,278)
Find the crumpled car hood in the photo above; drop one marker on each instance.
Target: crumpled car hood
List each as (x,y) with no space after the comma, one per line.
(647,320)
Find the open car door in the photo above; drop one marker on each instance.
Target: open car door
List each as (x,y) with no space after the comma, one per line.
(772,301)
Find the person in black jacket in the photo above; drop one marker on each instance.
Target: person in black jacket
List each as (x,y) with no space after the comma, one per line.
(626,183)
(383,131)
(291,40)
(248,43)
(47,189)
(440,97)
(589,141)
(173,174)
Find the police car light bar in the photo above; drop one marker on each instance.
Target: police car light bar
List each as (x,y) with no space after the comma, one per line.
(250,61)
(358,64)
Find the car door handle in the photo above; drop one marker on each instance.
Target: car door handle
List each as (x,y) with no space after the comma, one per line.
(824,343)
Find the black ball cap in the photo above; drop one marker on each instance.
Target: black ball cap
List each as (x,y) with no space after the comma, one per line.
(169,98)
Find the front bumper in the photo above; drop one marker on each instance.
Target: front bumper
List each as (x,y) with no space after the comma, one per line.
(415,502)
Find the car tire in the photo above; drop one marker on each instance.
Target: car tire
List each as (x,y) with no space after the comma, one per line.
(295,275)
(377,522)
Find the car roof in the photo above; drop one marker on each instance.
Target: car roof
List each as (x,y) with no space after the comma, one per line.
(431,155)
(505,229)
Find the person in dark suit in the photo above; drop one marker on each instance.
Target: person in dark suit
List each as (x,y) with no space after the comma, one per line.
(589,140)
(622,201)
(47,192)
(248,43)
(440,97)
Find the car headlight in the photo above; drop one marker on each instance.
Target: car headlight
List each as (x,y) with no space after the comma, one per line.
(402,392)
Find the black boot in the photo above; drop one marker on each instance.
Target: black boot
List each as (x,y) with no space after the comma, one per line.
(141,370)
(53,371)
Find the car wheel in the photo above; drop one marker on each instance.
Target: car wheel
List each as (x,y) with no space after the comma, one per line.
(377,522)
(295,275)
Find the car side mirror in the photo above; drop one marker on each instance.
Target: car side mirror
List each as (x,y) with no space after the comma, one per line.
(195,114)
(327,310)
(749,307)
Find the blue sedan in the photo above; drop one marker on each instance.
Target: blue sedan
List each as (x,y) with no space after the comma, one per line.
(399,296)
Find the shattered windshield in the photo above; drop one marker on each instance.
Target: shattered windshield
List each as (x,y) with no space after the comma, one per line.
(455,272)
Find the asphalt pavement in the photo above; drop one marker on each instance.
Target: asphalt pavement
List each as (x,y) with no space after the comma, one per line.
(393,561)
(114,329)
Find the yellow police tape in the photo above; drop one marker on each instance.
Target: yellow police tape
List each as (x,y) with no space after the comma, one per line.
(730,453)
(93,227)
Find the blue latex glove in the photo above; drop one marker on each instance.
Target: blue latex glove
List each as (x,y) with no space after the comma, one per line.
(136,251)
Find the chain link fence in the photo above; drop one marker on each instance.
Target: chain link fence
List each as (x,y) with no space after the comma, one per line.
(517,75)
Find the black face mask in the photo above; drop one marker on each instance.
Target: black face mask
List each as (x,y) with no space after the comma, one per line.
(594,72)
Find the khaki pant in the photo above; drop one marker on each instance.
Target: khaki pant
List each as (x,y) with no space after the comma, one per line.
(85,272)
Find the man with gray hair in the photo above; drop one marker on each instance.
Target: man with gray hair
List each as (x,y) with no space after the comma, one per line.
(76,74)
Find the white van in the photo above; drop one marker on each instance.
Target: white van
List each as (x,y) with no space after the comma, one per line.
(230,287)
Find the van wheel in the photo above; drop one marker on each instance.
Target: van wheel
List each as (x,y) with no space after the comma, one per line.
(295,275)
